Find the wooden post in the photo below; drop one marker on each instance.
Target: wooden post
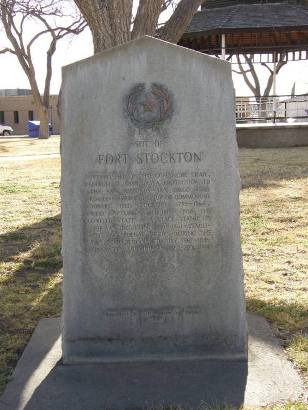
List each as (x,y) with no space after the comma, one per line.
(223,46)
(274,85)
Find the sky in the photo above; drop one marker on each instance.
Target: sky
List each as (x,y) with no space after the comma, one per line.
(80,47)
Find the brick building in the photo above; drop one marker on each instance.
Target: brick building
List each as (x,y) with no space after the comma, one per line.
(17,108)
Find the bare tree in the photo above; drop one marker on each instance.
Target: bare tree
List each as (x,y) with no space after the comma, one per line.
(48,16)
(111,21)
(253,81)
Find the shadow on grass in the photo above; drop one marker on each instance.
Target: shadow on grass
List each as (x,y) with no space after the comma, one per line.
(271,181)
(8,143)
(41,241)
(3,148)
(267,167)
(22,306)
(288,316)
(30,260)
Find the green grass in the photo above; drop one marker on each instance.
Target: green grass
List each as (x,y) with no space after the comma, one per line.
(274,215)
(298,351)
(30,259)
(286,316)
(289,406)
(25,298)
(13,189)
(29,289)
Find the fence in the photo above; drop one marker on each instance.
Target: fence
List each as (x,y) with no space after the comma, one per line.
(278,108)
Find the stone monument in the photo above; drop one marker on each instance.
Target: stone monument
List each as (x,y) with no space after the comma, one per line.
(150,208)
(151,247)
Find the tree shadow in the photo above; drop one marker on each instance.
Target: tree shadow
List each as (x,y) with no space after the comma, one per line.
(19,317)
(271,181)
(284,316)
(3,148)
(267,167)
(23,240)
(7,146)
(30,285)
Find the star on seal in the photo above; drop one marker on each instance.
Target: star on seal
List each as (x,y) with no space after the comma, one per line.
(148,108)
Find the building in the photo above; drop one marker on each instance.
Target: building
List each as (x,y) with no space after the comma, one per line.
(17,110)
(15,91)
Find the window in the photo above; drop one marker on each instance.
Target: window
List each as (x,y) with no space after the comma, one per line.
(16,117)
(30,116)
(2,117)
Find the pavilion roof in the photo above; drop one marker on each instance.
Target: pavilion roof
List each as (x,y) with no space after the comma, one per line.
(265,30)
(249,17)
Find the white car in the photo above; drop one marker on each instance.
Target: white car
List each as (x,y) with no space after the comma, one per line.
(5,130)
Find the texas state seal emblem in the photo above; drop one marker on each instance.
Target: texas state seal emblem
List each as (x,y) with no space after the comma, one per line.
(148,107)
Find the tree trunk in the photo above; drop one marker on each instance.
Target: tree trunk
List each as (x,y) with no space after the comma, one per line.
(41,109)
(110,20)
(44,123)
(175,27)
(146,18)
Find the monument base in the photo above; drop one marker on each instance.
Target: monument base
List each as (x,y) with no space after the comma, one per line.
(41,381)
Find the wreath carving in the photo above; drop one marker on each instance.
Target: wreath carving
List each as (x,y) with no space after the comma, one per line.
(149,108)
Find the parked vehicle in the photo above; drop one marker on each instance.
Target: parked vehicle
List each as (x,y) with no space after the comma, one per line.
(5,130)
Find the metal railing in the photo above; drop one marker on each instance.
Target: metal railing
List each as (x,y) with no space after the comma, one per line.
(278,108)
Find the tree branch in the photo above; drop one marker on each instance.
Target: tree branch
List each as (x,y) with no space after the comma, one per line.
(174,28)
(270,79)
(248,60)
(280,65)
(240,72)
(7,50)
(50,53)
(15,15)
(6,20)
(253,87)
(269,68)
(166,4)
(147,17)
